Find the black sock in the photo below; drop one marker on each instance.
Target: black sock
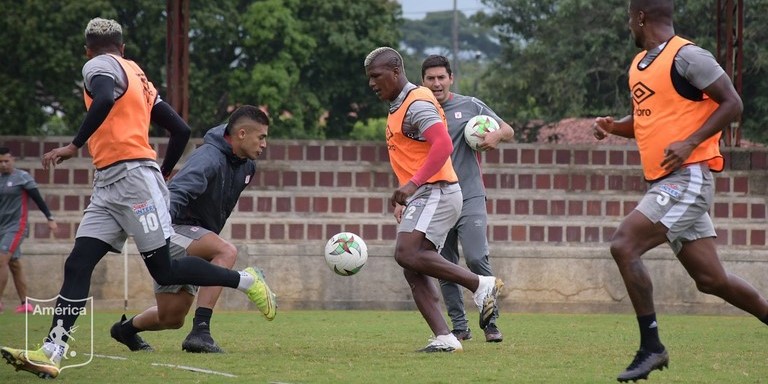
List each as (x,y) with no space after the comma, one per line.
(649,333)
(765,319)
(202,320)
(127,328)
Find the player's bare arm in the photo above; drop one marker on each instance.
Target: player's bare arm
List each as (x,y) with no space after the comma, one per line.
(603,126)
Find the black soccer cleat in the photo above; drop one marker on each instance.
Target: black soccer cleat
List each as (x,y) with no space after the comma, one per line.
(643,364)
(134,342)
(200,342)
(462,334)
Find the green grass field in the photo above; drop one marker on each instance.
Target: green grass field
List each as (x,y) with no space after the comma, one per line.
(378,347)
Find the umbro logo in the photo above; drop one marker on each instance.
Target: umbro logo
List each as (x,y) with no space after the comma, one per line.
(641,92)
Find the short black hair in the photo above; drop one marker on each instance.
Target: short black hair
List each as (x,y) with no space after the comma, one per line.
(102,34)
(661,10)
(246,112)
(4,151)
(433,61)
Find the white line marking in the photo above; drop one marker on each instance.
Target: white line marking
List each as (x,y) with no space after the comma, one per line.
(193,369)
(108,357)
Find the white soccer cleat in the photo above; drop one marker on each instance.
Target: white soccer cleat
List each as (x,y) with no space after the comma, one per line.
(443,343)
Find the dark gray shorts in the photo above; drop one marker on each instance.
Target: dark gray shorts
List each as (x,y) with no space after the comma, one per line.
(180,241)
(681,202)
(11,240)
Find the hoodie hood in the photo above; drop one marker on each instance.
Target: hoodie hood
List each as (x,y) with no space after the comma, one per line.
(215,137)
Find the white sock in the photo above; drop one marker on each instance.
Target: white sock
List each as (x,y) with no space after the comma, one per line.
(246,280)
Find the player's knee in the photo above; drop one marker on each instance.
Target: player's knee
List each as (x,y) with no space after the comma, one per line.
(229,255)
(710,284)
(402,258)
(171,321)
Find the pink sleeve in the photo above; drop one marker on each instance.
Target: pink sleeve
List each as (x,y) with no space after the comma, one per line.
(440,150)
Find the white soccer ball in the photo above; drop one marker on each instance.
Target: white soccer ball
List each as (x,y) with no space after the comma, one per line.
(346,253)
(476,126)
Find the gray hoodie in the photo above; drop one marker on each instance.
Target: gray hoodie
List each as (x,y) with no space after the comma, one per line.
(206,189)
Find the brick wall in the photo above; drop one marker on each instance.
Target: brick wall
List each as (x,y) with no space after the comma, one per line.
(551,197)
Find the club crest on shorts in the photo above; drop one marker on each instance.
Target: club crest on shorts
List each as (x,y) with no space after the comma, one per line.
(77,349)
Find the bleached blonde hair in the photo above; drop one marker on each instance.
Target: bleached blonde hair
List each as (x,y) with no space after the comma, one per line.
(101,33)
(394,60)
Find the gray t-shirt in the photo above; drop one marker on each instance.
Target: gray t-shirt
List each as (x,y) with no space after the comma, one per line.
(13,196)
(695,64)
(466,162)
(420,115)
(106,65)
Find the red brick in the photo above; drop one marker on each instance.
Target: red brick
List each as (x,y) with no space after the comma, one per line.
(313,153)
(376,205)
(245,204)
(543,182)
(555,234)
(616,183)
(258,232)
(580,157)
(527,156)
(276,232)
(489,181)
(354,228)
(599,157)
(42,231)
(634,184)
(283,204)
(349,153)
(264,204)
(539,207)
(238,231)
(315,232)
(758,211)
(608,233)
(616,158)
(64,231)
(296,152)
(518,233)
(357,204)
(41,176)
(344,179)
(339,205)
(629,206)
(739,211)
(370,231)
(722,210)
(758,161)
(72,203)
(573,234)
(276,152)
(560,182)
(757,237)
(613,208)
(61,176)
(52,201)
(383,153)
(557,207)
(271,178)
(562,156)
(722,184)
(739,237)
(368,153)
(722,236)
(597,183)
(363,179)
(308,179)
(545,156)
(521,207)
(302,204)
(382,180)
(633,157)
(741,184)
(503,206)
(491,157)
(510,156)
(388,232)
(525,181)
(506,181)
(537,233)
(594,208)
(575,207)
(31,149)
(14,146)
(325,179)
(500,233)
(81,176)
(332,229)
(296,231)
(591,234)
(330,153)
(579,182)
(290,179)
(320,204)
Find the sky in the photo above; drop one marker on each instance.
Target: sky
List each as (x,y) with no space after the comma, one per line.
(417,9)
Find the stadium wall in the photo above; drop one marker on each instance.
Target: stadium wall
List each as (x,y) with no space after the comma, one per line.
(552,211)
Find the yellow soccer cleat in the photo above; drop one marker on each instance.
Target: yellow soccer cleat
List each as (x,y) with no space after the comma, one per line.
(260,294)
(35,362)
